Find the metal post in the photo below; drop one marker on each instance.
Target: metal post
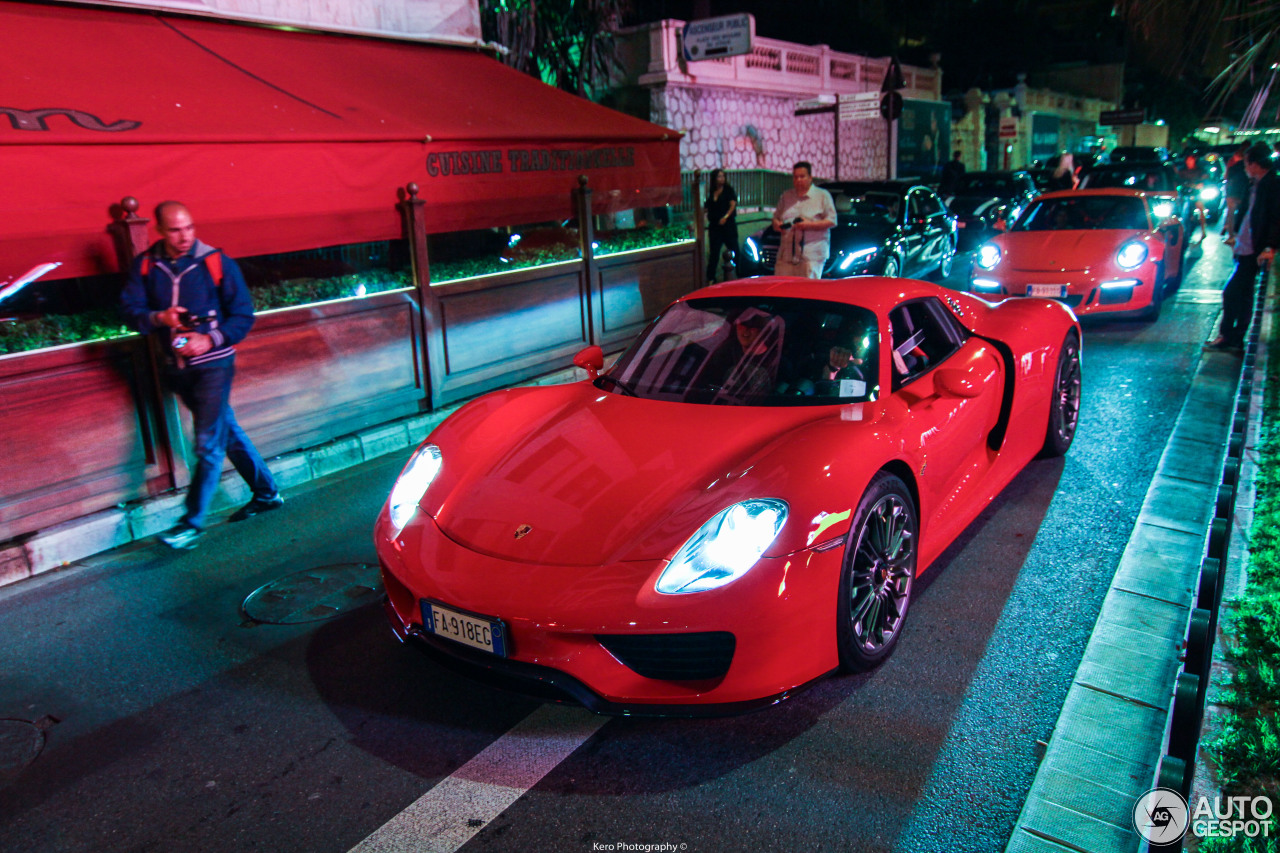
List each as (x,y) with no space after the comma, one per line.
(430,314)
(592,297)
(699,230)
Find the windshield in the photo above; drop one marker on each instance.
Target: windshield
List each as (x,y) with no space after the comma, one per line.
(1136,178)
(744,351)
(876,206)
(1085,213)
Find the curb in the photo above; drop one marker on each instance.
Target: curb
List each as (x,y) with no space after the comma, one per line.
(62,545)
(1106,748)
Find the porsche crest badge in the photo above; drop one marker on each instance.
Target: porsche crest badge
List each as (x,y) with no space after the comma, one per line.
(523,531)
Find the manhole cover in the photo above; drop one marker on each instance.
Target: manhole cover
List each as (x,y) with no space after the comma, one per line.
(20,743)
(315,594)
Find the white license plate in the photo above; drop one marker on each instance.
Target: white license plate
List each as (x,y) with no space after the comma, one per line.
(1053,291)
(479,632)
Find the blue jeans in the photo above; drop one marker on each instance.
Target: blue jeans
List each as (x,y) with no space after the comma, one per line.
(206,391)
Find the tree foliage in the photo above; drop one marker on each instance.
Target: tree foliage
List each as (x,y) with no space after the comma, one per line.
(566,43)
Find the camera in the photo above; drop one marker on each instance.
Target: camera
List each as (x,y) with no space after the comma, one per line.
(187,319)
(795,221)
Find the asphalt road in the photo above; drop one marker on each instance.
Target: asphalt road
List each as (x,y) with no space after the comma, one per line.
(140,710)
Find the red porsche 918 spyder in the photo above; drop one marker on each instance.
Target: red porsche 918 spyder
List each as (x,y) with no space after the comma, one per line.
(1098,251)
(738,506)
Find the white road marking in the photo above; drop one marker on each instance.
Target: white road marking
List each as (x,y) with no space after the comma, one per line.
(451,813)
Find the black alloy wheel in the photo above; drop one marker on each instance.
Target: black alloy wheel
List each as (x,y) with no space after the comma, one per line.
(891,268)
(948,259)
(1064,405)
(879,569)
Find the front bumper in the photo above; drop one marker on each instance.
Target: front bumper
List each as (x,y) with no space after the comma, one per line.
(561,623)
(1085,292)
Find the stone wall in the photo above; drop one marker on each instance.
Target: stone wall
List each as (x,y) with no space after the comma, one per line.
(744,129)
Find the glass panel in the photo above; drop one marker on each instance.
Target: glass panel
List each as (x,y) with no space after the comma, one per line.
(286,279)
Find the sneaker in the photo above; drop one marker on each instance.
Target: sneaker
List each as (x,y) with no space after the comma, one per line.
(181,538)
(257,506)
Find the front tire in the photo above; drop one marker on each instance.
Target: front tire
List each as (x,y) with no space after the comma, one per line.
(891,268)
(948,261)
(879,570)
(1064,406)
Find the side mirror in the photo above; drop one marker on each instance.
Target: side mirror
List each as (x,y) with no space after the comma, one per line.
(955,383)
(591,360)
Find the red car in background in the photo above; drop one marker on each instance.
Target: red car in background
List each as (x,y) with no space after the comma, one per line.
(1097,251)
(736,507)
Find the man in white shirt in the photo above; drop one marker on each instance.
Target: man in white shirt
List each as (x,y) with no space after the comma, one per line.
(804,216)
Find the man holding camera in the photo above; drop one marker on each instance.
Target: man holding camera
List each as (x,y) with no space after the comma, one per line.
(194,298)
(804,216)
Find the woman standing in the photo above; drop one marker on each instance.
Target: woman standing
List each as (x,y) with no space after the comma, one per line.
(722,226)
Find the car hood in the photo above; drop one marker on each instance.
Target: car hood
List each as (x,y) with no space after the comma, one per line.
(599,477)
(1061,251)
(857,235)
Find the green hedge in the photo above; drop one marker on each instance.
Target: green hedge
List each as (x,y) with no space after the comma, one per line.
(56,329)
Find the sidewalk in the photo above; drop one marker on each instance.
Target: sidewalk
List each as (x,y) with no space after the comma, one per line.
(63,544)
(1106,748)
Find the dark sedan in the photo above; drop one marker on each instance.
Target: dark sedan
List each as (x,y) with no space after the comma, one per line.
(983,199)
(890,228)
(1151,177)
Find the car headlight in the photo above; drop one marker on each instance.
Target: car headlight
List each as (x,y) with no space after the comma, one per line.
(752,249)
(1208,193)
(423,467)
(1162,209)
(988,256)
(852,258)
(1131,255)
(724,548)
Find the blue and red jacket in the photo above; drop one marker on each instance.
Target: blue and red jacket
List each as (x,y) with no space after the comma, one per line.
(205,281)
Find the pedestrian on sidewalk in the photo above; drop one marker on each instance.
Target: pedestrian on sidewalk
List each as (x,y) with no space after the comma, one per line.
(722,223)
(1257,236)
(193,297)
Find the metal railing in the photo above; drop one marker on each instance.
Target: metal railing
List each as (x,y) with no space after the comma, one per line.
(757,189)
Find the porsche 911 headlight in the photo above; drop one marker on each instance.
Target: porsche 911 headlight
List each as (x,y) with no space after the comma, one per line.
(724,548)
(988,256)
(851,258)
(1131,256)
(423,467)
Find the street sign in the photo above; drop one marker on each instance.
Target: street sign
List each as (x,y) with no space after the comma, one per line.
(1008,127)
(1115,117)
(893,80)
(716,38)
(860,106)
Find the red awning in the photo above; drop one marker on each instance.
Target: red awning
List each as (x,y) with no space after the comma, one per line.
(283,140)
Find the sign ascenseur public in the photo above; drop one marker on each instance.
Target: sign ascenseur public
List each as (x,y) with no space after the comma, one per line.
(716,38)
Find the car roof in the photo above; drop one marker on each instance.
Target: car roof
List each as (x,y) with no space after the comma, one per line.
(1097,191)
(874,293)
(863,186)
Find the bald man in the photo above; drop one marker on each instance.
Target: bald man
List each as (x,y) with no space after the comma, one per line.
(194,299)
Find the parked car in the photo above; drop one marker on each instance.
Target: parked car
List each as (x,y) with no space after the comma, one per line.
(888,228)
(985,200)
(718,518)
(1138,154)
(1097,250)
